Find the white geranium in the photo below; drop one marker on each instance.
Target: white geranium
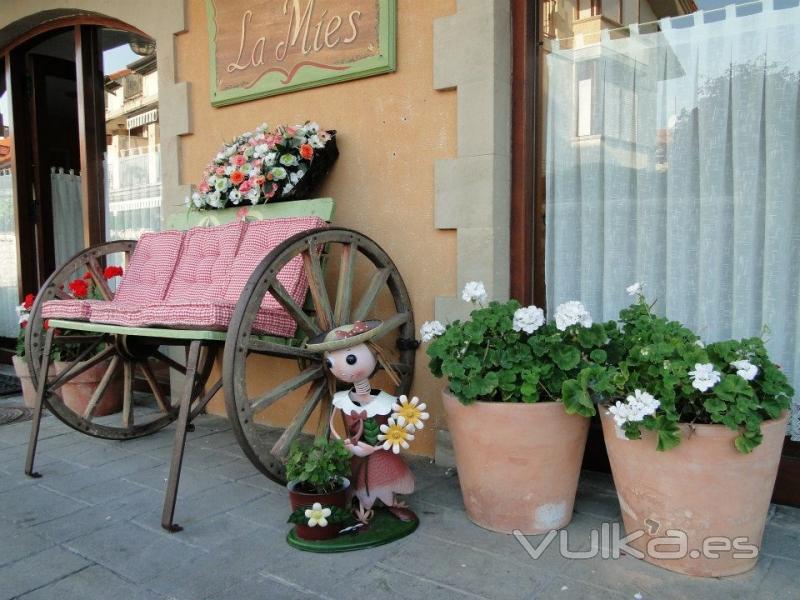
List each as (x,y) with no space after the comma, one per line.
(572,313)
(636,407)
(745,369)
(430,330)
(704,377)
(636,289)
(474,291)
(528,319)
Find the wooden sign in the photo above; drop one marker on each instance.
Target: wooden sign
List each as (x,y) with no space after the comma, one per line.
(266,47)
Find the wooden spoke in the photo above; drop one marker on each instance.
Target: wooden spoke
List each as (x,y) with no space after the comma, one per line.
(290,385)
(73,370)
(101,388)
(396,320)
(127,395)
(158,355)
(281,350)
(325,411)
(316,286)
(97,275)
(301,318)
(155,387)
(377,282)
(281,447)
(344,287)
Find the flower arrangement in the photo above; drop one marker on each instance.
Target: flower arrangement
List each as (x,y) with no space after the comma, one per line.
(665,375)
(263,166)
(24,315)
(509,353)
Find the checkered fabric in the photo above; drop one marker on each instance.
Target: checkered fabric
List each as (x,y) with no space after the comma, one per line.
(151,267)
(74,310)
(205,264)
(259,240)
(189,315)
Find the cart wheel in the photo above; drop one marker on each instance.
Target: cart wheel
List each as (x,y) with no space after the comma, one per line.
(350,278)
(129,356)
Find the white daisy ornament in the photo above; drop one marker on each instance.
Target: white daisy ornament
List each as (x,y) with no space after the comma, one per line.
(317,515)
(410,412)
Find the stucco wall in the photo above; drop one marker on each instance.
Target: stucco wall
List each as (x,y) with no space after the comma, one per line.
(392,129)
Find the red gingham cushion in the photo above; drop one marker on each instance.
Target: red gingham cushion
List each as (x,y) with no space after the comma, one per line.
(205,263)
(76,310)
(189,315)
(259,240)
(151,267)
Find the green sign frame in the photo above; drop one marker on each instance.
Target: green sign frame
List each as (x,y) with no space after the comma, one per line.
(307,76)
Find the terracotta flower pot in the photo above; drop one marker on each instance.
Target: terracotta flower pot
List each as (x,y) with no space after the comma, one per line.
(298,499)
(77,392)
(28,389)
(704,488)
(518,464)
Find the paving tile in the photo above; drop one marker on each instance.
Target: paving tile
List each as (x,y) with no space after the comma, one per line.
(780,581)
(445,493)
(92,582)
(781,541)
(264,588)
(19,542)
(129,464)
(467,569)
(29,505)
(133,552)
(37,571)
(238,468)
(191,483)
(270,510)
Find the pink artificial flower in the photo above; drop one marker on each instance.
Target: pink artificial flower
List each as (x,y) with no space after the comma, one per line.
(220,171)
(203,188)
(239,160)
(291,129)
(245,187)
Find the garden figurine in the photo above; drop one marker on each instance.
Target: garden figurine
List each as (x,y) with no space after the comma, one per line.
(377,424)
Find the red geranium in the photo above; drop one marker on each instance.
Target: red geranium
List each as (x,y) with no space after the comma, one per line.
(87,275)
(307,151)
(79,288)
(112,271)
(28,302)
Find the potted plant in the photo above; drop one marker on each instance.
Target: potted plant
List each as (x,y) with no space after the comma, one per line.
(694,435)
(287,163)
(317,475)
(77,392)
(18,360)
(519,397)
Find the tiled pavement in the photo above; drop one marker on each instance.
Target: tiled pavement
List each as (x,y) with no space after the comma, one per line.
(89,529)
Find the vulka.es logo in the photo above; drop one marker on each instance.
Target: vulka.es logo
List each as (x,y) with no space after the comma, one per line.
(609,542)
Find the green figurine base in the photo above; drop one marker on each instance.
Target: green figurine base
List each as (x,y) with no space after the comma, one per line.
(382,529)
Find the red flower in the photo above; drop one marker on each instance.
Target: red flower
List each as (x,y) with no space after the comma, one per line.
(112,271)
(23,324)
(87,275)
(237,177)
(28,302)
(79,288)
(46,324)
(307,151)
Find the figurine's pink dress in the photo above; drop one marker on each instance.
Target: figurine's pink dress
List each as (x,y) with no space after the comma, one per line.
(381,474)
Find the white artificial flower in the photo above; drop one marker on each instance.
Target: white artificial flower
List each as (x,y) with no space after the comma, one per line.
(317,515)
(528,319)
(214,199)
(229,169)
(288,160)
(261,150)
(312,127)
(316,142)
(254,194)
(235,196)
(636,407)
(270,158)
(219,157)
(287,188)
(704,376)
(572,313)
(745,369)
(262,128)
(229,151)
(294,177)
(474,291)
(222,184)
(430,330)
(635,289)
(278,173)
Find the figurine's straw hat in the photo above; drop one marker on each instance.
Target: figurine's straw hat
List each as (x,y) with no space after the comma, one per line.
(346,336)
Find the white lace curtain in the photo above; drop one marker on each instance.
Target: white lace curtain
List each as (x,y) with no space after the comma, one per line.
(673,157)
(8,259)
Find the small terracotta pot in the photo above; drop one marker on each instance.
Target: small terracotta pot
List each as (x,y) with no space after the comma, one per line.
(298,499)
(28,390)
(77,392)
(518,464)
(704,488)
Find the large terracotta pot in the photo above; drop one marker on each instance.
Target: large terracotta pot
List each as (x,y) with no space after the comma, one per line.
(298,499)
(518,464)
(704,488)
(24,375)
(77,392)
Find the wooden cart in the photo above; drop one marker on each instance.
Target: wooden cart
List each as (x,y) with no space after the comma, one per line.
(350,278)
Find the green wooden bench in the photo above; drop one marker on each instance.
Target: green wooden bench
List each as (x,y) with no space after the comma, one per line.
(349,278)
